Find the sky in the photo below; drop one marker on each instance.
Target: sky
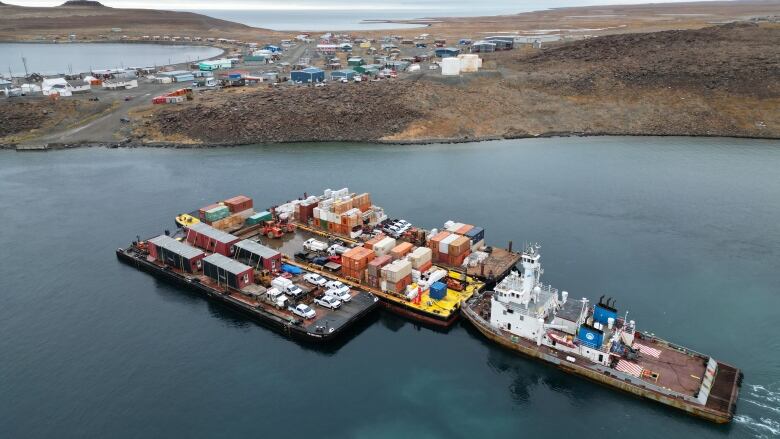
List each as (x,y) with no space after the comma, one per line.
(443,5)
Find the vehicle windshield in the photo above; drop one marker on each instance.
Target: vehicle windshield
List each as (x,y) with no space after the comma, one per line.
(304,308)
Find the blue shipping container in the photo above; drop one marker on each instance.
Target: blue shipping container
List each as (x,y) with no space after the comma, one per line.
(438,291)
(310,74)
(476,234)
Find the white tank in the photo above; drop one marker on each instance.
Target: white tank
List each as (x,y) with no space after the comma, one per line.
(564,296)
(610,322)
(450,67)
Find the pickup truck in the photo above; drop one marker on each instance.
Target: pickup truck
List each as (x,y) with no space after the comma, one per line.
(313,245)
(340,293)
(328,302)
(302,310)
(315,279)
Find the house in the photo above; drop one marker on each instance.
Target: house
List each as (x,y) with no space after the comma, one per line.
(309,74)
(502,42)
(355,61)
(51,86)
(126,84)
(79,86)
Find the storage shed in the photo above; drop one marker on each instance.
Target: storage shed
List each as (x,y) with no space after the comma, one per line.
(483,47)
(258,255)
(343,74)
(176,254)
(309,74)
(450,66)
(227,272)
(210,239)
(355,61)
(447,52)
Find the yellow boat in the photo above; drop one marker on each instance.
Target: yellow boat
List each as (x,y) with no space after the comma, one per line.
(185,219)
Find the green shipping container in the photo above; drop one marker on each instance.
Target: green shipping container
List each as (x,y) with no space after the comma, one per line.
(217,213)
(324,224)
(259,217)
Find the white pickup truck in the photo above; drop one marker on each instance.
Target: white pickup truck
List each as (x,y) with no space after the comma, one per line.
(328,302)
(287,286)
(313,245)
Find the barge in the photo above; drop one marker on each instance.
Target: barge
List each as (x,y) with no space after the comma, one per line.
(594,342)
(221,279)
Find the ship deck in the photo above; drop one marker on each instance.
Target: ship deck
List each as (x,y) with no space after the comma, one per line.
(325,319)
(496,266)
(441,309)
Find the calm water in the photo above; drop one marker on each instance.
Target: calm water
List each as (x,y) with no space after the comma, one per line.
(327,15)
(683,232)
(49,59)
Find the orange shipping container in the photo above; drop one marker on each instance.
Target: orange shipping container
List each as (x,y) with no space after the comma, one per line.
(401,250)
(459,246)
(463,230)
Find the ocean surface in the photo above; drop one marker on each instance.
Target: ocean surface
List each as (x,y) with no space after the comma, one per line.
(682,232)
(50,59)
(330,15)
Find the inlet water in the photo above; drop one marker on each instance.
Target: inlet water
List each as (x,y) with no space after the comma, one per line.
(682,232)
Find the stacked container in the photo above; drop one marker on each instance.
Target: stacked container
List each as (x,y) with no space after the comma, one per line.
(362,201)
(401,250)
(435,241)
(396,276)
(216,213)
(374,270)
(371,242)
(421,259)
(355,261)
(384,246)
(239,203)
(305,211)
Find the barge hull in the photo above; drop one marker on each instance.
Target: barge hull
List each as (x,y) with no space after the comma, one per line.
(704,412)
(275,323)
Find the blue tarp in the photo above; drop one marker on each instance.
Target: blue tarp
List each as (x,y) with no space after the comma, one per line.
(292,269)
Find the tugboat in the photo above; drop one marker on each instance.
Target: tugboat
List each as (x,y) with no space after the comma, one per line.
(593,341)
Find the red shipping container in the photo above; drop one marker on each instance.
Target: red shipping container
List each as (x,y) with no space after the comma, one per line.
(370,243)
(376,265)
(464,229)
(239,203)
(425,267)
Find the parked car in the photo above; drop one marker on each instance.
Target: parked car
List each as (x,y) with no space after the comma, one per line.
(315,279)
(328,301)
(303,310)
(340,293)
(334,284)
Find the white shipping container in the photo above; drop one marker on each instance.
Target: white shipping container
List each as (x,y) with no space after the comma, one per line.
(444,244)
(452,227)
(397,270)
(450,67)
(316,213)
(384,246)
(281,283)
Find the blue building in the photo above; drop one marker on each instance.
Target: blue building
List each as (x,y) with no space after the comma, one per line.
(447,52)
(342,74)
(309,74)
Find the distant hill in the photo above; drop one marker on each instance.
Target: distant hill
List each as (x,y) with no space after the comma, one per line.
(89,3)
(91,19)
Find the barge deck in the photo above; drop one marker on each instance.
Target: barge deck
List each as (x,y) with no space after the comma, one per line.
(327,325)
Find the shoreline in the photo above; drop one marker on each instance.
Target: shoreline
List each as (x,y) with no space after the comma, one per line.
(415,142)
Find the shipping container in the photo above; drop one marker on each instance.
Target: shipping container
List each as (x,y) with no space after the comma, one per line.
(402,249)
(464,229)
(357,258)
(476,234)
(371,242)
(384,246)
(420,256)
(210,239)
(437,291)
(239,203)
(176,254)
(458,246)
(202,210)
(217,213)
(259,218)
(397,270)
(374,267)
(227,272)
(444,245)
(399,285)
(258,255)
